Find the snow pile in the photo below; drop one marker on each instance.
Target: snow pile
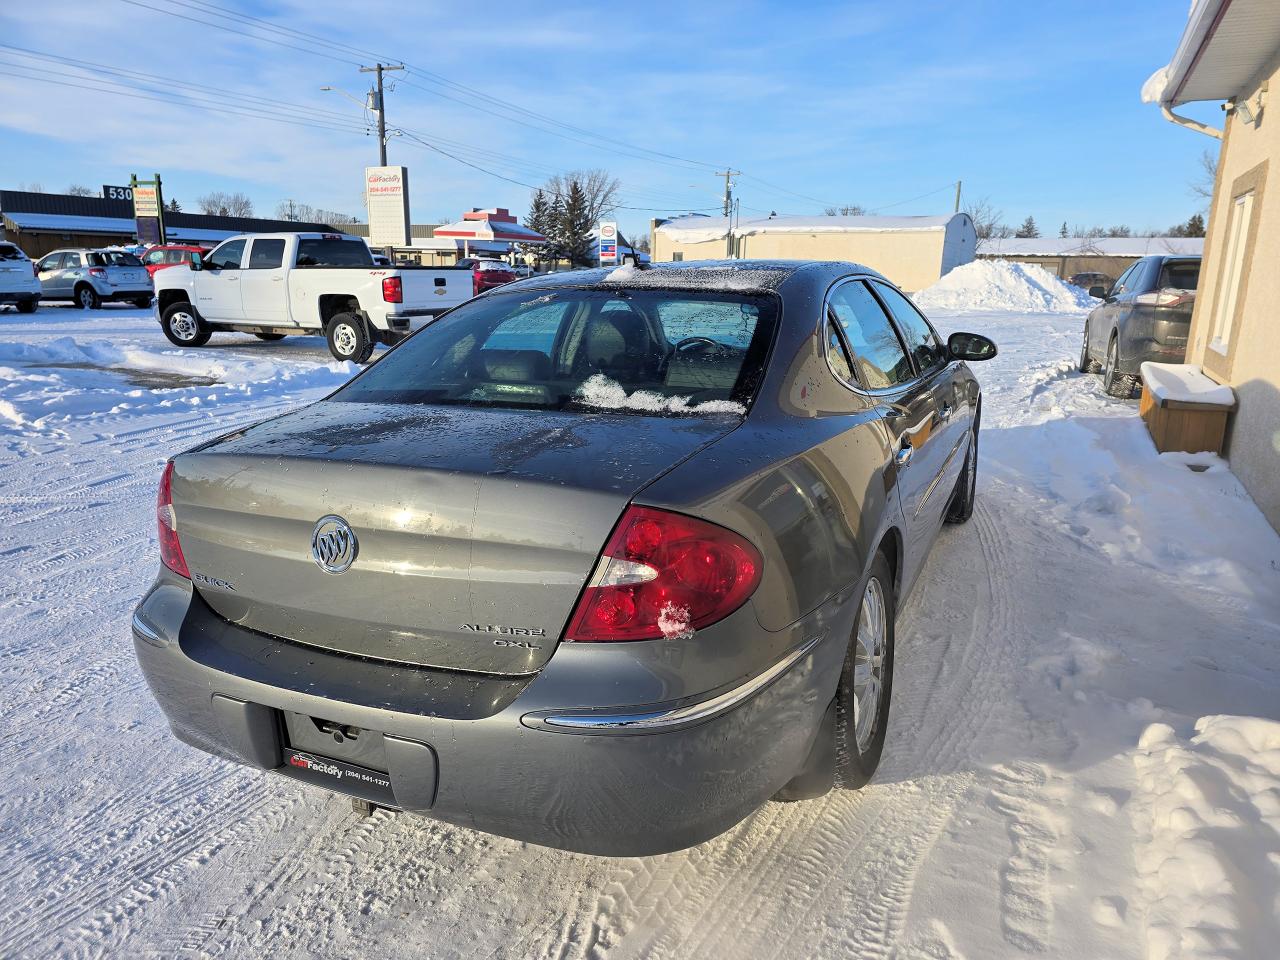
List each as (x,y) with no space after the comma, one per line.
(1208,845)
(1002,285)
(605,394)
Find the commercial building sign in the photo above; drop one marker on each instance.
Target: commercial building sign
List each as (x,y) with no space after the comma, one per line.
(117,193)
(148,209)
(386,191)
(608,243)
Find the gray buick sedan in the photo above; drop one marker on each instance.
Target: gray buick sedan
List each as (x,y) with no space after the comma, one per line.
(601,561)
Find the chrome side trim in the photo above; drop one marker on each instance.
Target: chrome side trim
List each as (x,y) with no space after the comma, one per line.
(146,632)
(674,718)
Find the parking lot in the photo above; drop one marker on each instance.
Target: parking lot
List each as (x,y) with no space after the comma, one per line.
(1008,812)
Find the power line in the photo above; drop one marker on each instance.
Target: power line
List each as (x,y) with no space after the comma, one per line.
(900,203)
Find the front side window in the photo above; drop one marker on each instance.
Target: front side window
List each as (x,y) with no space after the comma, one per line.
(878,356)
(1124,283)
(266,255)
(650,351)
(921,341)
(333,252)
(227,256)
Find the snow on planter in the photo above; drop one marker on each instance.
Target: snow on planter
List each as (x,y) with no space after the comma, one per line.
(1003,285)
(1185,383)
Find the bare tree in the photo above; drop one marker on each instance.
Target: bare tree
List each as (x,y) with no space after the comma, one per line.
(1119,230)
(848,210)
(599,188)
(80,190)
(223,204)
(987,220)
(306,213)
(1202,185)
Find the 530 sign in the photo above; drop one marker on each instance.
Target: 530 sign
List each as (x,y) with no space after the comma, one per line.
(117,193)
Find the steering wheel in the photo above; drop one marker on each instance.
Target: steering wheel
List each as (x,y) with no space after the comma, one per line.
(702,343)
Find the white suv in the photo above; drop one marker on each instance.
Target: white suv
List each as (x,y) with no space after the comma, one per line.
(19,284)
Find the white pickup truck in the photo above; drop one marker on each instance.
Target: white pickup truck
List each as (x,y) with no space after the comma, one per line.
(276,284)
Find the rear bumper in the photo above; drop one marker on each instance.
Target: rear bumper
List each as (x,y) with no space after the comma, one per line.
(19,296)
(126,293)
(488,752)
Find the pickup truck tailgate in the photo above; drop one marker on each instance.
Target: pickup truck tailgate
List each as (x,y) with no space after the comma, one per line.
(432,290)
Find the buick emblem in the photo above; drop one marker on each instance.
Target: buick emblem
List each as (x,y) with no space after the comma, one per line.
(333,544)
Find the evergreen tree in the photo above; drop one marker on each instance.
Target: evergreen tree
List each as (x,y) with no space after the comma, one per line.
(1028,228)
(575,226)
(1195,226)
(553,250)
(1063,231)
(538,220)
(173,206)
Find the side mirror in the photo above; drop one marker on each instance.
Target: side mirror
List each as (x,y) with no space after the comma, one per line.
(196,262)
(1098,293)
(970,346)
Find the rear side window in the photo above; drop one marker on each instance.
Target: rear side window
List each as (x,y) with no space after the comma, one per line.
(1180,274)
(878,356)
(921,341)
(266,255)
(157,256)
(635,351)
(331,252)
(227,256)
(837,354)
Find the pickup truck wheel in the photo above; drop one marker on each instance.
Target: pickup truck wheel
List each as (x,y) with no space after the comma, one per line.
(87,298)
(182,327)
(349,338)
(270,337)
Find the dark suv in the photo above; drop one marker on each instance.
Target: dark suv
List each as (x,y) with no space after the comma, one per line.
(1144,316)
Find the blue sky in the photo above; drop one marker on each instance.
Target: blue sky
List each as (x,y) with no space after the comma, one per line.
(1032,105)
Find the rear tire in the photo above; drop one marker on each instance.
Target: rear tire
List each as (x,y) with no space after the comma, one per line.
(87,298)
(270,337)
(1116,384)
(966,492)
(349,338)
(866,681)
(142,303)
(27,306)
(182,326)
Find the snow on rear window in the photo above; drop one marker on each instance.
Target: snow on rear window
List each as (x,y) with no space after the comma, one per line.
(605,394)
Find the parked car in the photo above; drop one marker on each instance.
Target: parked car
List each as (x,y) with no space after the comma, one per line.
(89,278)
(522,270)
(488,274)
(170,255)
(19,283)
(276,284)
(1086,281)
(1145,315)
(596,564)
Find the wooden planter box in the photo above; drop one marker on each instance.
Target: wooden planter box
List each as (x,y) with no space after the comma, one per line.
(1180,424)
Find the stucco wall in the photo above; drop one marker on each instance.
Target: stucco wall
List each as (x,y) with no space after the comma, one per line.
(912,259)
(1250,159)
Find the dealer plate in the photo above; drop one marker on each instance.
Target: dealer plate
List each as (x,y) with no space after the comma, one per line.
(339,775)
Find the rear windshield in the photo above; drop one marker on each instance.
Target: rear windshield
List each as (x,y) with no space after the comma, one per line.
(1180,274)
(9,252)
(648,351)
(492,265)
(113,258)
(327,252)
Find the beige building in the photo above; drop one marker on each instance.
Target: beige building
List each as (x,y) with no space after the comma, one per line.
(1067,256)
(1230,52)
(913,252)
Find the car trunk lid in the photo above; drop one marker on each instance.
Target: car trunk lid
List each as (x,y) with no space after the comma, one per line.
(476,528)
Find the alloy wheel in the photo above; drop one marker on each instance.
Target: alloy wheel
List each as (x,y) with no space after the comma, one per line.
(86,298)
(868,664)
(1109,374)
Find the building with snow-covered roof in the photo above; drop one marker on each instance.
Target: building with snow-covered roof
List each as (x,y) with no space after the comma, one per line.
(913,252)
(1067,256)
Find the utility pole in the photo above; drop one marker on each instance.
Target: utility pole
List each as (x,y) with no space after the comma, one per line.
(958,182)
(728,207)
(380,107)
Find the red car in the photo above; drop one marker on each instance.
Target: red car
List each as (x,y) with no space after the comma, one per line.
(169,255)
(487,274)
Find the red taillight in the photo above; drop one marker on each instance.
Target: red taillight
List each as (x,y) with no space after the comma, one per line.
(475,281)
(35,268)
(664,575)
(392,290)
(167,522)
(98,272)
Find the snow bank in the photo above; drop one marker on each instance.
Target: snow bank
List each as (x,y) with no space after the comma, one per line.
(1001,285)
(605,394)
(1208,846)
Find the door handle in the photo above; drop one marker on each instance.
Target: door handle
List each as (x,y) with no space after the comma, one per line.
(945,412)
(904,454)
(277,279)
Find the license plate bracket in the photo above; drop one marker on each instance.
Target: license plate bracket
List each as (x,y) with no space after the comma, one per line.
(338,775)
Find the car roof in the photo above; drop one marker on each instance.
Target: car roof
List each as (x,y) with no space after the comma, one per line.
(714,275)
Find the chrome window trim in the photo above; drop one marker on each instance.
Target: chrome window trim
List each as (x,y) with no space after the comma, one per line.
(671,718)
(873,392)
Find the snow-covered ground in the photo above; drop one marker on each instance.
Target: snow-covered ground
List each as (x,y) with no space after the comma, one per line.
(1083,758)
